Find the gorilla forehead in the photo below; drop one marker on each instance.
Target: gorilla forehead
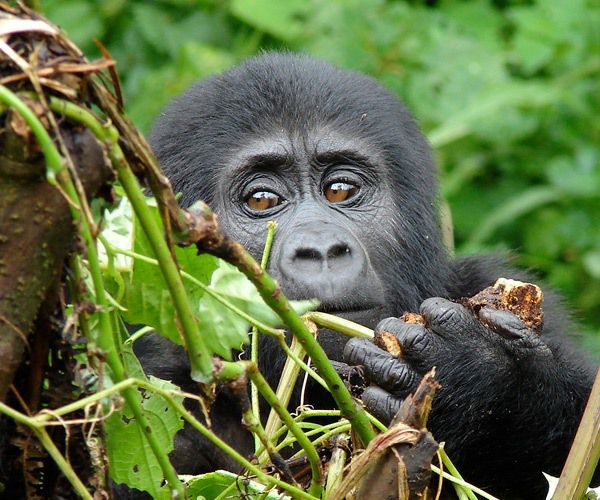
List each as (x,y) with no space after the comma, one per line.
(280,94)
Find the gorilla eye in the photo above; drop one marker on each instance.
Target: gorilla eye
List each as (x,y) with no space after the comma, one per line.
(262,200)
(336,192)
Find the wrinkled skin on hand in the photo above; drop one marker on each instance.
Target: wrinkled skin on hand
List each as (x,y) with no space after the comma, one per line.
(451,338)
(481,399)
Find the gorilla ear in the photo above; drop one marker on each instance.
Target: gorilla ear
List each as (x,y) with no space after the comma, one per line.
(446,225)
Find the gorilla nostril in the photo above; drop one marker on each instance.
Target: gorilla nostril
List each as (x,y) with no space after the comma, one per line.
(338,251)
(308,254)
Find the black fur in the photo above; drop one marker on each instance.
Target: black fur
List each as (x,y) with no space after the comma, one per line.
(289,124)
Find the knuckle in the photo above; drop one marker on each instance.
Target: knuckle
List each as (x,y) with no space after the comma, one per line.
(444,314)
(388,325)
(354,351)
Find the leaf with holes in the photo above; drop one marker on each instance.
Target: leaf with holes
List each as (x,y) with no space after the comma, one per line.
(130,456)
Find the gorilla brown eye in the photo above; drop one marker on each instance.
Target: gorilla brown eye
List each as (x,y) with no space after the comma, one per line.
(262,200)
(336,192)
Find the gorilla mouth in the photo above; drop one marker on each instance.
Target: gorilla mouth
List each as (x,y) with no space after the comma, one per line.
(364,314)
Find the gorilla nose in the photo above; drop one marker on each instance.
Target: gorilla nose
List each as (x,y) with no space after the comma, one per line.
(322,263)
(322,257)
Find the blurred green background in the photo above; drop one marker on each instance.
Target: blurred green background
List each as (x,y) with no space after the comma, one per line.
(508,93)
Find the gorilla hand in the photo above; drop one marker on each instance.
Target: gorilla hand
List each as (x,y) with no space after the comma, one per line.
(473,361)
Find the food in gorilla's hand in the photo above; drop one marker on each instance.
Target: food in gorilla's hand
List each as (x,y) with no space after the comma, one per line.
(413,318)
(388,342)
(524,300)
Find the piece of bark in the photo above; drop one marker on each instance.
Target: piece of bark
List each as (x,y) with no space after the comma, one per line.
(397,464)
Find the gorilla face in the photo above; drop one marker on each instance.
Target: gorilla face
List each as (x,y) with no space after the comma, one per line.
(328,195)
(335,160)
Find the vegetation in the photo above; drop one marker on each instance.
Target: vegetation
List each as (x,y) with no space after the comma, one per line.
(506,90)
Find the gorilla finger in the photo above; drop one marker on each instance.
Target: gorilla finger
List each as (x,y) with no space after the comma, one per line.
(361,351)
(509,326)
(381,404)
(503,323)
(380,367)
(446,318)
(414,339)
(396,377)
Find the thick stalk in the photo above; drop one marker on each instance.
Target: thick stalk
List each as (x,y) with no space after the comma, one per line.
(285,388)
(199,355)
(106,339)
(335,472)
(345,326)
(585,451)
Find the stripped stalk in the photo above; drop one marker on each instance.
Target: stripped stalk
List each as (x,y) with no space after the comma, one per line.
(285,388)
(271,226)
(335,472)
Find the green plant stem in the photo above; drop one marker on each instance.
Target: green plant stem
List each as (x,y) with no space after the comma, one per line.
(271,226)
(54,162)
(41,418)
(467,490)
(319,429)
(227,492)
(50,447)
(325,436)
(585,451)
(205,432)
(253,424)
(338,324)
(62,463)
(218,244)
(460,485)
(107,338)
(251,370)
(296,358)
(200,359)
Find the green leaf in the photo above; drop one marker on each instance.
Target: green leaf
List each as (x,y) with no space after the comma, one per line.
(222,328)
(283,20)
(131,460)
(210,485)
(148,300)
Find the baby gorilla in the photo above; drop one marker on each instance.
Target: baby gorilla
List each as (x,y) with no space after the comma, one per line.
(342,167)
